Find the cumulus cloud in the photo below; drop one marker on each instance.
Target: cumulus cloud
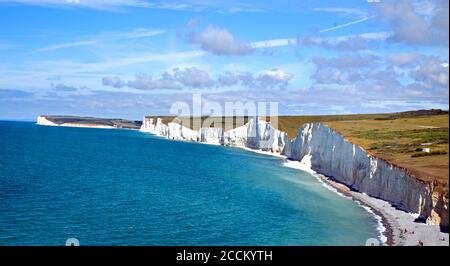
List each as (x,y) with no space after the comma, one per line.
(325,75)
(179,78)
(200,79)
(63,87)
(219,41)
(113,81)
(274,78)
(410,25)
(352,70)
(193,77)
(146,82)
(228,79)
(244,79)
(426,70)
(431,72)
(403,59)
(407,77)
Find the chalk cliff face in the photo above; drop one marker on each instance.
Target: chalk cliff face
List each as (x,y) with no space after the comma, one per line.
(330,154)
(350,164)
(256,134)
(42,120)
(236,137)
(211,135)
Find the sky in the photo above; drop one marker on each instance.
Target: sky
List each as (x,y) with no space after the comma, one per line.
(130,58)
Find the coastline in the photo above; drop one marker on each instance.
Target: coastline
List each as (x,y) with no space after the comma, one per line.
(395,227)
(384,227)
(86,125)
(392,221)
(87,122)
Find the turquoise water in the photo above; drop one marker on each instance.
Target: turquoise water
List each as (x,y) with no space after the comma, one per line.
(121,187)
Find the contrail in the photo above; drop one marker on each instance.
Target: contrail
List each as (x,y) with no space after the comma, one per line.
(346,24)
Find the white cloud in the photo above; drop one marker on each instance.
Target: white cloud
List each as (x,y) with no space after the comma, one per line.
(278,75)
(431,73)
(273,43)
(192,77)
(403,59)
(346,42)
(414,26)
(219,41)
(113,81)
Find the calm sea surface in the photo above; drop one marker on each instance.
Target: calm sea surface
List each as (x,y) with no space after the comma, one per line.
(122,187)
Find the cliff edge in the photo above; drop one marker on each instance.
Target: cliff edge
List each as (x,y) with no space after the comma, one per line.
(331,155)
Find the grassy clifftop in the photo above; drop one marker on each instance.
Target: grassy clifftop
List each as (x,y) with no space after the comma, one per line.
(417,143)
(415,140)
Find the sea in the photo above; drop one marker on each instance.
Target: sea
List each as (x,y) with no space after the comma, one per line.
(113,187)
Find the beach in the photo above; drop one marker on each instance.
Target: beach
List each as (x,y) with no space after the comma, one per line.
(399,228)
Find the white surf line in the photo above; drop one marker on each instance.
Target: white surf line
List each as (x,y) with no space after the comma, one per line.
(306,166)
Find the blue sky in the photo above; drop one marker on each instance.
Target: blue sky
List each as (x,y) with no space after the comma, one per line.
(128,58)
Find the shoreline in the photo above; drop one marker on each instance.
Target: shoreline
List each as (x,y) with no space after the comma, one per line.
(392,221)
(89,122)
(396,227)
(85,126)
(383,226)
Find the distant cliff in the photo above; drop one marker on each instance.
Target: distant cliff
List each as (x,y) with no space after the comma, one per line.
(330,154)
(77,121)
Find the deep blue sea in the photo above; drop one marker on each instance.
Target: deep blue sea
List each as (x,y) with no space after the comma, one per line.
(123,187)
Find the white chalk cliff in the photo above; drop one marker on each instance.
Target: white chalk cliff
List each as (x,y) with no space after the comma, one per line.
(42,120)
(330,155)
(350,164)
(258,135)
